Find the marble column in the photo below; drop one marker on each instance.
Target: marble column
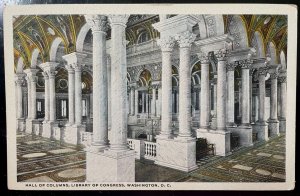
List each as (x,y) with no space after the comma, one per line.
(108,165)
(230,95)
(185,41)
(250,94)
(136,102)
(132,100)
(273,120)
(71,94)
(282,120)
(214,99)
(74,66)
(29,108)
(166,45)
(143,102)
(31,122)
(221,136)
(245,128)
(153,105)
(19,80)
(204,94)
(47,113)
(147,102)
(158,111)
(262,125)
(98,25)
(49,127)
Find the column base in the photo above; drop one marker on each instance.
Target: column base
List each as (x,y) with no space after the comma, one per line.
(32,126)
(273,127)
(110,166)
(220,138)
(244,132)
(261,128)
(51,130)
(178,153)
(72,134)
(282,126)
(21,125)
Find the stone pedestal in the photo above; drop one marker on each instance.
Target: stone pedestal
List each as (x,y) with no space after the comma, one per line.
(72,134)
(282,125)
(110,166)
(245,135)
(262,131)
(21,126)
(32,126)
(273,127)
(178,153)
(221,140)
(48,129)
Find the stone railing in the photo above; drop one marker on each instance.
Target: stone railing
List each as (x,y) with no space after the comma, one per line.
(143,149)
(150,150)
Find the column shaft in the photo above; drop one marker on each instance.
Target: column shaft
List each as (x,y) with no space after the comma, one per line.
(204,94)
(221,95)
(262,95)
(184,93)
(71,92)
(283,100)
(118,83)
(46,96)
(136,104)
(52,97)
(153,110)
(132,101)
(245,97)
(78,96)
(273,99)
(230,97)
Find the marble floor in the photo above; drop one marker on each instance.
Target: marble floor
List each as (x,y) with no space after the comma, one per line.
(42,160)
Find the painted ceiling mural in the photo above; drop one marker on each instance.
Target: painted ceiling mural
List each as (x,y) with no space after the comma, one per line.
(38,32)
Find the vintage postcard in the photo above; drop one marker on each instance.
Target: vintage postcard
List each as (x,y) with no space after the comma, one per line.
(151,97)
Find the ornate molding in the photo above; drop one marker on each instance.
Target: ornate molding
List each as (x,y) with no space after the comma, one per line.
(262,71)
(231,66)
(166,44)
(204,58)
(222,54)
(118,19)
(185,39)
(246,64)
(282,79)
(98,23)
(274,75)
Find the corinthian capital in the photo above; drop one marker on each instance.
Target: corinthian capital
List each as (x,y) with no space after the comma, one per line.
(246,64)
(166,44)
(222,55)
(119,19)
(282,79)
(230,66)
(262,71)
(97,22)
(203,57)
(185,39)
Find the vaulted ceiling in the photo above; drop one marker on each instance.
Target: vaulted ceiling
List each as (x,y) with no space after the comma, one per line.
(38,32)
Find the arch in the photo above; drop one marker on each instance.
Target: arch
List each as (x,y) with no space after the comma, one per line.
(81,37)
(20,65)
(258,44)
(139,73)
(34,58)
(143,36)
(237,28)
(219,24)
(283,60)
(272,53)
(54,47)
(129,77)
